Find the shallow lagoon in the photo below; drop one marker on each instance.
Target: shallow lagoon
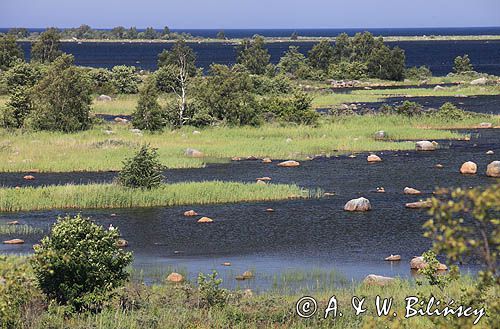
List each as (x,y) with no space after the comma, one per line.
(314,240)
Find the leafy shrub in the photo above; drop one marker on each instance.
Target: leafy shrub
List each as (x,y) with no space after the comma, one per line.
(148,114)
(17,108)
(102,81)
(125,79)
(450,112)
(409,109)
(294,109)
(61,99)
(79,263)
(143,170)
(46,48)
(348,70)
(10,52)
(418,73)
(462,64)
(23,74)
(264,85)
(211,294)
(17,291)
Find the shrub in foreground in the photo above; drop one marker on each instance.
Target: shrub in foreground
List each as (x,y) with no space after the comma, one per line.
(143,170)
(79,264)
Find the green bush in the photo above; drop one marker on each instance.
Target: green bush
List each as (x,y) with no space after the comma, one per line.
(23,74)
(211,294)
(418,73)
(450,112)
(10,52)
(409,109)
(17,108)
(348,70)
(462,64)
(125,80)
(17,291)
(102,81)
(143,170)
(79,263)
(61,99)
(149,115)
(46,48)
(292,109)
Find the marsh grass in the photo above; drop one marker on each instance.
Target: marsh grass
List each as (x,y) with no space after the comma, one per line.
(326,99)
(19,230)
(121,105)
(94,150)
(96,196)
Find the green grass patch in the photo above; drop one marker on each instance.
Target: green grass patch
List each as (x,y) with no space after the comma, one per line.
(19,230)
(95,150)
(95,196)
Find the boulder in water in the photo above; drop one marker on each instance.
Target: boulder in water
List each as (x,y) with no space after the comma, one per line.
(14,241)
(205,220)
(290,163)
(377,280)
(393,258)
(493,169)
(373,158)
(29,177)
(418,204)
(411,191)
(425,146)
(359,204)
(175,278)
(418,263)
(190,213)
(485,125)
(468,167)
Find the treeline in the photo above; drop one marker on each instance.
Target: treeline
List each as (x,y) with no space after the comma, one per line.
(85,32)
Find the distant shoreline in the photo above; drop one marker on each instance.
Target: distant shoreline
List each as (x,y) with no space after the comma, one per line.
(283,39)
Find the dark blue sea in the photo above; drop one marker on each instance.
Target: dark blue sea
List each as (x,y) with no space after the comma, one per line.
(437,55)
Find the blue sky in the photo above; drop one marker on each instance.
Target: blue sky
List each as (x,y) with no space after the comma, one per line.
(217,14)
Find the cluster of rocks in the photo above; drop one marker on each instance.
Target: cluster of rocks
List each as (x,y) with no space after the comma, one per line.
(470,168)
(417,263)
(339,84)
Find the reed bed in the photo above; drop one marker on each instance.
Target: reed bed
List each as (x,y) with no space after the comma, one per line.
(97,196)
(19,230)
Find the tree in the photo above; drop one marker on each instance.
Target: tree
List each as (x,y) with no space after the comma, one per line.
(143,170)
(253,56)
(148,114)
(177,67)
(79,264)
(221,35)
(124,79)
(22,74)
(62,98)
(118,32)
(387,64)
(292,109)
(466,224)
(132,33)
(150,33)
(342,50)
(166,32)
(462,64)
(46,48)
(179,50)
(291,61)
(362,45)
(10,52)
(84,32)
(226,95)
(348,70)
(19,32)
(18,108)
(321,56)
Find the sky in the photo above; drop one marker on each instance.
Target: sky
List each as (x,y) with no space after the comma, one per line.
(220,14)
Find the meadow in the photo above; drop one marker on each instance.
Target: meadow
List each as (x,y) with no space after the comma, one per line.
(115,196)
(104,147)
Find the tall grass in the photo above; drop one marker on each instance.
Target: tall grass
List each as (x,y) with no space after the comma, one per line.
(95,150)
(115,196)
(324,99)
(19,230)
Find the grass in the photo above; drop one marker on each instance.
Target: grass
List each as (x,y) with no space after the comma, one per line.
(95,150)
(178,306)
(114,196)
(121,105)
(19,230)
(323,99)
